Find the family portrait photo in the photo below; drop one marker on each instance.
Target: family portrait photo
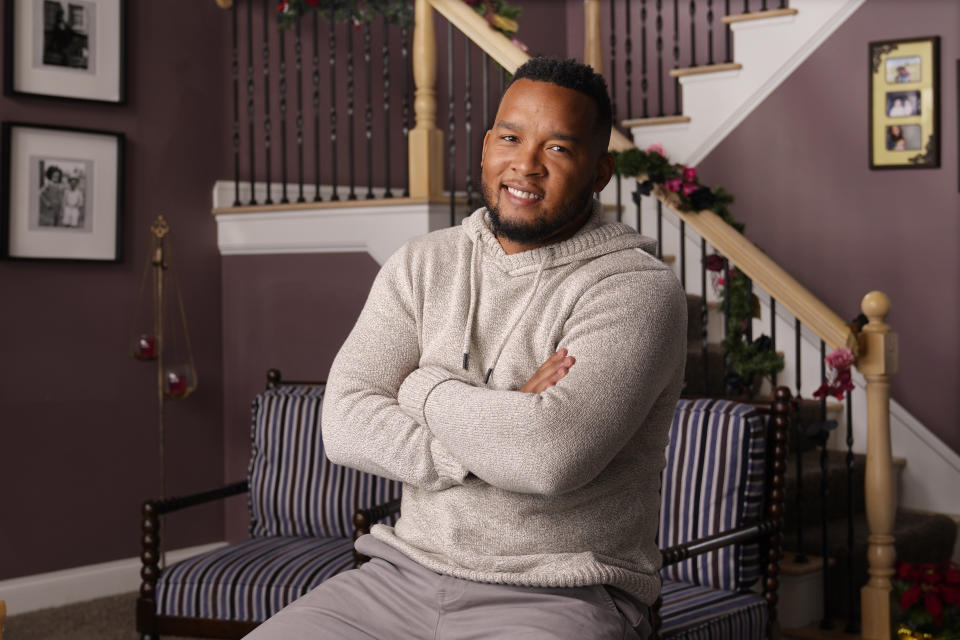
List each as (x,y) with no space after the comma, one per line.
(61,195)
(903,137)
(901,70)
(903,103)
(67,34)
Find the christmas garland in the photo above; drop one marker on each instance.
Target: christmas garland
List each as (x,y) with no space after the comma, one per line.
(500,15)
(748,359)
(395,11)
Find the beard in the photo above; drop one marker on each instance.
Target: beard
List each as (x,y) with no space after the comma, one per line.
(547,224)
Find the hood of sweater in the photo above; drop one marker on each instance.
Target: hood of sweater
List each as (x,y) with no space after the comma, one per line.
(595,238)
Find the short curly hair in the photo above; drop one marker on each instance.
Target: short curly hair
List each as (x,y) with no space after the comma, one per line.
(571,74)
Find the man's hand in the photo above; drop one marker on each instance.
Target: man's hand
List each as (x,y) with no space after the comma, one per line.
(549,373)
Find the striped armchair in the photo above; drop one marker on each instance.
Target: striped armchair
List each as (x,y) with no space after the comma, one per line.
(720,515)
(302,507)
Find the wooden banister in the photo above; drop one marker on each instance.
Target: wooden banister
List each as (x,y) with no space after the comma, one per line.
(768,274)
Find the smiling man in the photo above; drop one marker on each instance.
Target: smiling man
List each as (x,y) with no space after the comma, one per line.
(518,374)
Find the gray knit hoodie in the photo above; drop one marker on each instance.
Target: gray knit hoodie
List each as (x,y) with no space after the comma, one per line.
(553,489)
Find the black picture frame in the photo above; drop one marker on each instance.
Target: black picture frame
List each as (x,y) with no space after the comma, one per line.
(904,103)
(82,57)
(76,216)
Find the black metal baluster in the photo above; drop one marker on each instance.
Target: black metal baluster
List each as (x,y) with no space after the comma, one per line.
(726,33)
(405,107)
(683,255)
(659,230)
(613,60)
(267,124)
(783,5)
(503,82)
(485,59)
(251,112)
(334,164)
(283,120)
(704,319)
(709,31)
(368,111)
(628,62)
(468,122)
(726,324)
(853,608)
(643,56)
(746,6)
(824,493)
(451,129)
(298,49)
(763,5)
(773,337)
(801,556)
(676,55)
(749,327)
(352,195)
(315,78)
(235,73)
(693,33)
(385,53)
(660,111)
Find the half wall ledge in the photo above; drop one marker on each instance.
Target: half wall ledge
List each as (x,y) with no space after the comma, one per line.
(378,226)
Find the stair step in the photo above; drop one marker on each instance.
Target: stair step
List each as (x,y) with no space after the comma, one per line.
(917,538)
(650,122)
(707,68)
(759,15)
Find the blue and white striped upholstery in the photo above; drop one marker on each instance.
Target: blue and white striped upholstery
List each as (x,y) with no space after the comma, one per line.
(294,489)
(250,580)
(713,482)
(691,612)
(302,508)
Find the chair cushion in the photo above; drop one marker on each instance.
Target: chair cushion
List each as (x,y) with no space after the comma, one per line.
(690,612)
(294,489)
(713,481)
(250,580)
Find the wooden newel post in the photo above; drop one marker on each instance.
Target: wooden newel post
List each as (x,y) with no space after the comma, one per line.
(878,362)
(592,44)
(426,140)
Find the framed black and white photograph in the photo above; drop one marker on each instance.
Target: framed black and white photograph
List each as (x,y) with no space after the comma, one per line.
(62,193)
(65,48)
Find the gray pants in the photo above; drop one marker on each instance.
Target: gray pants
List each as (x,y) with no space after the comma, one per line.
(393,598)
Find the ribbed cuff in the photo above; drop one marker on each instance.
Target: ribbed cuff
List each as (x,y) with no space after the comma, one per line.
(445,464)
(417,387)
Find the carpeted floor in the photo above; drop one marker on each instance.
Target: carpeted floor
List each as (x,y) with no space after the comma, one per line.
(102,619)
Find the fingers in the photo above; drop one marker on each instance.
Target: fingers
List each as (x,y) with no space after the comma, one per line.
(550,372)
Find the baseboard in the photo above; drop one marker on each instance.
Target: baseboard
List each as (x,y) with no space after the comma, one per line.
(57,588)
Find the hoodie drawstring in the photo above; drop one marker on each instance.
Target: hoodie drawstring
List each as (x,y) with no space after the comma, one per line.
(468,329)
(519,316)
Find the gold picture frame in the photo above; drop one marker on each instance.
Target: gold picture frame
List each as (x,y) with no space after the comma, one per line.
(905,103)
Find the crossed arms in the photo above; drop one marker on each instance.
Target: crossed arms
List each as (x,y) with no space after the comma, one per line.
(385,414)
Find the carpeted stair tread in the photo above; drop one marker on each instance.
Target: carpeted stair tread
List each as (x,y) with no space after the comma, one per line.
(918,537)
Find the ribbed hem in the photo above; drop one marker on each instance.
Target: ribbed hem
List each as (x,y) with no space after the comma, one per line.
(417,387)
(445,464)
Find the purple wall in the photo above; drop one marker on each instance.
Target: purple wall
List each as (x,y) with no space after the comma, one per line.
(291,312)
(78,434)
(798,167)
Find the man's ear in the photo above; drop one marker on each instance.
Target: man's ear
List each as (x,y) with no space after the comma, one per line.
(605,168)
(483,149)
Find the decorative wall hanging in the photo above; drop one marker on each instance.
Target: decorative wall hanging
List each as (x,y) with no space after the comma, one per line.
(905,104)
(65,49)
(160,333)
(62,193)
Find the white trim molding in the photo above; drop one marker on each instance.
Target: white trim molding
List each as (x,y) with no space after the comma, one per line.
(79,584)
(378,227)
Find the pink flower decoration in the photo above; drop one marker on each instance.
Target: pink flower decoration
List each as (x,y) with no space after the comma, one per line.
(674,184)
(690,174)
(656,147)
(840,358)
(689,187)
(520,44)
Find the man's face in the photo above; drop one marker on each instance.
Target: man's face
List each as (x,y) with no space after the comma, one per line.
(541,164)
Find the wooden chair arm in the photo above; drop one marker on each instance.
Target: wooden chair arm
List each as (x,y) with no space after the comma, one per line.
(363,519)
(150,525)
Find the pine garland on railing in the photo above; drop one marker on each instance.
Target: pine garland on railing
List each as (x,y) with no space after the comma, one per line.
(749,360)
(398,12)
